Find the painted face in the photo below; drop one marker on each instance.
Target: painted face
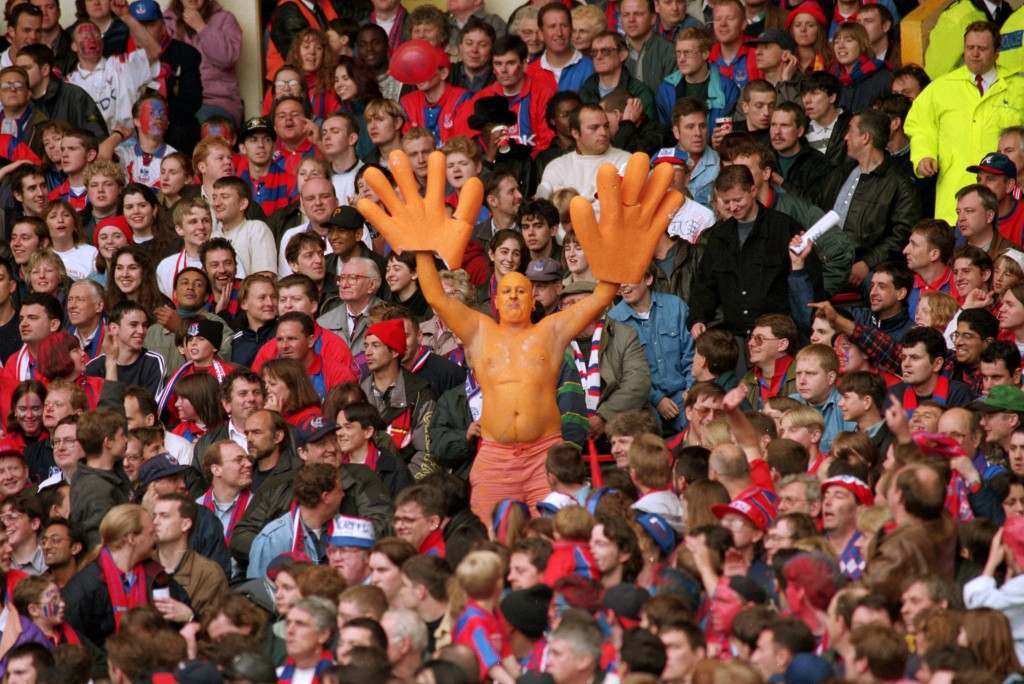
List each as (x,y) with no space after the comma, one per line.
(153,118)
(88,41)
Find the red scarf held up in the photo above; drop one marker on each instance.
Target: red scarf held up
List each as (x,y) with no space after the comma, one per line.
(120,601)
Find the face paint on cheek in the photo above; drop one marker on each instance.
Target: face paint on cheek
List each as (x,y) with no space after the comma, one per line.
(153,118)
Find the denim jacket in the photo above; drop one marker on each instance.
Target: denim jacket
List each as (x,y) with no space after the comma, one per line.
(668,346)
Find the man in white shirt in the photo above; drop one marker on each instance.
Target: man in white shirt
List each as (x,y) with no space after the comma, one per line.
(339,134)
(589,127)
(25,27)
(113,82)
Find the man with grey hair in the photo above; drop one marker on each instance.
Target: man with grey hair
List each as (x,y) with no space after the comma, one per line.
(728,465)
(574,650)
(357,289)
(800,493)
(309,628)
(85,315)
(407,641)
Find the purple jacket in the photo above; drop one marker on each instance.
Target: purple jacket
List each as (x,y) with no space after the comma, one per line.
(220,44)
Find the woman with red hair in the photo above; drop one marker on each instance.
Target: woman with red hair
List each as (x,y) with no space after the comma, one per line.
(61,358)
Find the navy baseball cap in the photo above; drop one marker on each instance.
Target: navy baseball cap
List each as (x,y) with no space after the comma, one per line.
(157,468)
(146,10)
(996,164)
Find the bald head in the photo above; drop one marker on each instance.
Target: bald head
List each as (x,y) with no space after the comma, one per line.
(961,425)
(922,493)
(318,200)
(729,462)
(514,298)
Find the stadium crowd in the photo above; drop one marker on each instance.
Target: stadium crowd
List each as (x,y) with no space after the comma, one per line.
(244,437)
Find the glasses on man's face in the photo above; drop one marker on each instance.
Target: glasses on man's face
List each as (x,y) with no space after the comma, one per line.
(54,540)
(10,516)
(291,83)
(12,86)
(761,339)
(604,52)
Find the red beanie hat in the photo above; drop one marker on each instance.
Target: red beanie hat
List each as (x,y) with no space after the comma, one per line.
(810,7)
(391,332)
(119,222)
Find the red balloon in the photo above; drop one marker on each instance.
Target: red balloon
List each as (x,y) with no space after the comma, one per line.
(415,61)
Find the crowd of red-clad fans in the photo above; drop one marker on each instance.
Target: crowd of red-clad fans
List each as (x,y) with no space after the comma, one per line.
(237,442)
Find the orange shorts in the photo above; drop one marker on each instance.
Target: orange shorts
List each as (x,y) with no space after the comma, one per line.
(509,471)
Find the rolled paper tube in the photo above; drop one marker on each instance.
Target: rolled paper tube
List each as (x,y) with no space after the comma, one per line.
(821,226)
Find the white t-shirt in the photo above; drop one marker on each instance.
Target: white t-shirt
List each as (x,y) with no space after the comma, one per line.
(170,267)
(301,675)
(115,83)
(254,246)
(345,183)
(79,261)
(134,162)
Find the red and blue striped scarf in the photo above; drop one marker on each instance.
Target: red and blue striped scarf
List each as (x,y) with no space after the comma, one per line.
(862,68)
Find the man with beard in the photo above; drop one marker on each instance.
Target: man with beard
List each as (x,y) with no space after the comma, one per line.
(60,548)
(267,435)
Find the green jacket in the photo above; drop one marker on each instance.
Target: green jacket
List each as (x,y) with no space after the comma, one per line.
(954,124)
(590,93)
(754,391)
(625,375)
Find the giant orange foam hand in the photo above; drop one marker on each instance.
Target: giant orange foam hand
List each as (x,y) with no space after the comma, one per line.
(421,223)
(635,211)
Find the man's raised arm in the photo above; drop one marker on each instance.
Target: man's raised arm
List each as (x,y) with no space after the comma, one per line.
(421,224)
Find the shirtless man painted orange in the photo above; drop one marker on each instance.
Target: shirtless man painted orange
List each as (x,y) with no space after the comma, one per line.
(515,361)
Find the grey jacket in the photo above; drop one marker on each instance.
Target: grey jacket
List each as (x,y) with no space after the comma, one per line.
(336,320)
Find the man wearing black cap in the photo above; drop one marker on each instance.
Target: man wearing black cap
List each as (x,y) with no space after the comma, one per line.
(526,612)
(315,441)
(776,58)
(345,230)
(271,185)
